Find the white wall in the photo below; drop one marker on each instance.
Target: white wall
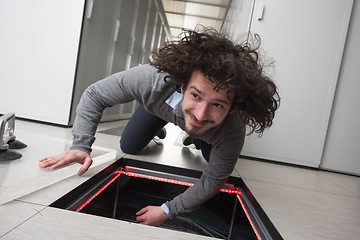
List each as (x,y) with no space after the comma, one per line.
(330,136)
(39,45)
(307,54)
(342,148)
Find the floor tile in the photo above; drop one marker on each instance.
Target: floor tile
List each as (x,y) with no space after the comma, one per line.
(49,194)
(291,176)
(351,183)
(306,214)
(15,213)
(56,224)
(302,203)
(23,176)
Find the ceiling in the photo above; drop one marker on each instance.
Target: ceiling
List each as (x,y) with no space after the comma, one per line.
(178,14)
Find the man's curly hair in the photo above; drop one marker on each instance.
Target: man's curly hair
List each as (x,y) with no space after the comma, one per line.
(233,66)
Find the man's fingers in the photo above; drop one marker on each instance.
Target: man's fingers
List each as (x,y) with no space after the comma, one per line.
(140,215)
(151,215)
(48,162)
(87,163)
(73,156)
(142,211)
(44,159)
(43,163)
(57,164)
(139,219)
(60,161)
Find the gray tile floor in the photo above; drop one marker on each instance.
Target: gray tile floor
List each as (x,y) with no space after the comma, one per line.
(302,203)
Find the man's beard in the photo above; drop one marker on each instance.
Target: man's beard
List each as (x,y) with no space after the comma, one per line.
(195,131)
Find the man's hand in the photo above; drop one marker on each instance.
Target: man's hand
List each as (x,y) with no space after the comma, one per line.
(67,158)
(151,215)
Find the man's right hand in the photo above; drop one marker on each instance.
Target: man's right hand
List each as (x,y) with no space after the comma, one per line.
(67,158)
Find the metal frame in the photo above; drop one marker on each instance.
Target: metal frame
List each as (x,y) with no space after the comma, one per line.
(7,130)
(75,198)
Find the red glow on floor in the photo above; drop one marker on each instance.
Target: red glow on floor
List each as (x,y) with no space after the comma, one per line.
(121,171)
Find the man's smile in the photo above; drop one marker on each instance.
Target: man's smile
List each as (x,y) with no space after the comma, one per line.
(196,122)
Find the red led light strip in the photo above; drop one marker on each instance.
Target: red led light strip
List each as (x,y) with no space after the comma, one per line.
(247,215)
(98,192)
(121,171)
(168,180)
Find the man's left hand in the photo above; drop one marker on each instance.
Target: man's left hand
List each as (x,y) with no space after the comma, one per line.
(151,215)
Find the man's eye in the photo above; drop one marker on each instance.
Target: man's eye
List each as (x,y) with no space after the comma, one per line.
(217,105)
(195,95)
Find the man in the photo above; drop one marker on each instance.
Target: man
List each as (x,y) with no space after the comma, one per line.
(205,84)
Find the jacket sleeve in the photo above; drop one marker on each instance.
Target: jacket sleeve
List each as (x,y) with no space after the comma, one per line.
(134,84)
(220,166)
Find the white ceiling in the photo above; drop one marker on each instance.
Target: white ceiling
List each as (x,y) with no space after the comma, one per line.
(188,13)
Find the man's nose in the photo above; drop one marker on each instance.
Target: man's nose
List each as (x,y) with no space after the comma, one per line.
(201,111)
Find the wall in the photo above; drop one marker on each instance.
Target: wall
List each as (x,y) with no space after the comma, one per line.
(342,148)
(50,53)
(307,54)
(337,147)
(39,44)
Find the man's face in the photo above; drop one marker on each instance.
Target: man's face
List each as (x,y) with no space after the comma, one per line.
(202,106)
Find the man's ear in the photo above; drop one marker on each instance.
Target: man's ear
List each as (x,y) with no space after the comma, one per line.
(182,89)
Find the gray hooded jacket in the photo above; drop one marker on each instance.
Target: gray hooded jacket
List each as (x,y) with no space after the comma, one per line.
(145,85)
